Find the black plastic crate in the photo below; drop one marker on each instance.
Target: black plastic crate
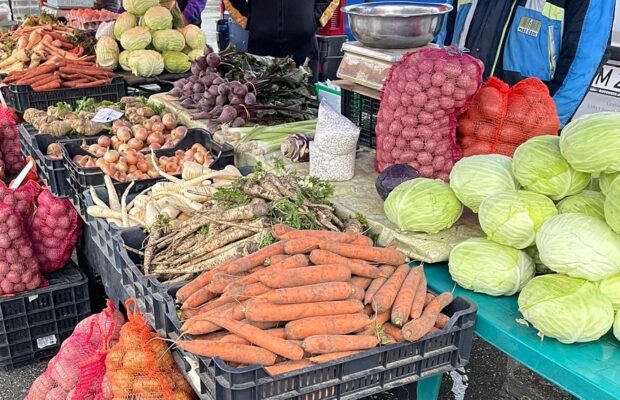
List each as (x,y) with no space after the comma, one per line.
(34,324)
(80,178)
(330,46)
(362,111)
(22,97)
(26,136)
(363,374)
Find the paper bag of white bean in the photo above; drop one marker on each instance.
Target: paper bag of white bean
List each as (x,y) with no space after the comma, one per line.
(334,132)
(331,167)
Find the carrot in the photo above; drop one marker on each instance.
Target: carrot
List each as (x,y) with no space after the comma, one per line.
(307,244)
(328,291)
(434,329)
(257,258)
(323,358)
(278,258)
(287,366)
(362,240)
(48,86)
(442,321)
(360,284)
(358,267)
(200,281)
(326,325)
(376,254)
(321,344)
(243,292)
(341,237)
(13,76)
(35,79)
(296,261)
(87,70)
(280,230)
(428,298)
(76,85)
(291,312)
(368,310)
(263,325)
(44,81)
(385,271)
(37,71)
(307,276)
(393,331)
(420,297)
(211,336)
(260,338)
(230,352)
(404,299)
(232,338)
(220,281)
(198,325)
(417,328)
(385,296)
(198,298)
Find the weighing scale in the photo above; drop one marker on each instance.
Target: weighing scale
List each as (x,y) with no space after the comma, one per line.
(368,66)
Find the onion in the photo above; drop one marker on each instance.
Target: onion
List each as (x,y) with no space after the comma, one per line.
(148,125)
(104,141)
(156,137)
(119,123)
(84,161)
(155,118)
(131,158)
(143,166)
(132,169)
(77,158)
(124,134)
(90,163)
(100,163)
(155,146)
(169,120)
(140,132)
(172,167)
(111,156)
(109,169)
(178,132)
(93,148)
(123,147)
(135,144)
(122,166)
(158,127)
(101,151)
(200,158)
(115,142)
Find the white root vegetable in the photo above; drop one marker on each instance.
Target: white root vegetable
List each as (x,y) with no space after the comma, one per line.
(125,219)
(112,196)
(96,199)
(102,212)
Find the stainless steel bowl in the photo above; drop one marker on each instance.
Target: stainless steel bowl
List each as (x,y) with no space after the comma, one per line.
(396,24)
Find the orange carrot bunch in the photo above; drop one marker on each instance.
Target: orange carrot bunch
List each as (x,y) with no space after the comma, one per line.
(300,301)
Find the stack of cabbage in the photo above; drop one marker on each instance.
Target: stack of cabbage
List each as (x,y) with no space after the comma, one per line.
(148,42)
(555,207)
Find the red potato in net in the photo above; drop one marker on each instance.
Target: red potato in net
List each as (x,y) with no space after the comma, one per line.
(431,105)
(409,133)
(402,143)
(425,118)
(416,144)
(396,153)
(405,101)
(409,120)
(388,143)
(408,156)
(419,99)
(424,158)
(395,127)
(413,110)
(426,171)
(433,92)
(426,65)
(400,112)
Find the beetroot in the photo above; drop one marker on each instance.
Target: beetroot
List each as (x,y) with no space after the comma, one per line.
(421,98)
(54,230)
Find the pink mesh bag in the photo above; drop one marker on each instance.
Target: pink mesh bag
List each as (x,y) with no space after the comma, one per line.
(19,269)
(22,198)
(77,372)
(9,142)
(55,229)
(421,98)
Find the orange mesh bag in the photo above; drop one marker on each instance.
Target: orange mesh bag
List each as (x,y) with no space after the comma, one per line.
(78,370)
(140,366)
(502,117)
(421,98)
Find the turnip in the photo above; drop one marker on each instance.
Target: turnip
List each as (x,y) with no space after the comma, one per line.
(409,121)
(425,118)
(433,92)
(431,106)
(412,88)
(425,66)
(395,127)
(419,100)
(409,133)
(424,80)
(438,79)
(425,158)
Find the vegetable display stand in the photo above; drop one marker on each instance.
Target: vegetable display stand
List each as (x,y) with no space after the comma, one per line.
(360,375)
(361,106)
(34,324)
(81,178)
(22,97)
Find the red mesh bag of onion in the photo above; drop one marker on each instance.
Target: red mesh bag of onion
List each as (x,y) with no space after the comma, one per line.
(421,98)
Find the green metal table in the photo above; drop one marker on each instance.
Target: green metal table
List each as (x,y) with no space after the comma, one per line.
(589,371)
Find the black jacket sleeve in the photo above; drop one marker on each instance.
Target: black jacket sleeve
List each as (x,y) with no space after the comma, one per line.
(239,10)
(323,10)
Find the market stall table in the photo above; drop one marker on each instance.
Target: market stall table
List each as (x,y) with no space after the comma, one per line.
(586,370)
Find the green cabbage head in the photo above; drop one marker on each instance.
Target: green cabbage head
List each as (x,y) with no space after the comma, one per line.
(567,309)
(123,60)
(168,40)
(107,52)
(587,202)
(176,62)
(423,205)
(194,54)
(591,143)
(194,37)
(580,246)
(611,288)
(617,326)
(512,218)
(139,7)
(124,22)
(612,206)
(605,180)
(136,38)
(158,18)
(539,167)
(146,63)
(487,267)
(475,178)
(541,268)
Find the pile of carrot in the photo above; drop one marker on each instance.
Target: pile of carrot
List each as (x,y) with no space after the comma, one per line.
(311,297)
(61,73)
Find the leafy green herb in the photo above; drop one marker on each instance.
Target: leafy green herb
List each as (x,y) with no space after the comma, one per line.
(230,197)
(203,230)
(161,221)
(266,240)
(361,218)
(316,190)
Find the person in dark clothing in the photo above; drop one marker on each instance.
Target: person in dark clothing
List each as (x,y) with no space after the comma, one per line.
(561,42)
(281,28)
(187,10)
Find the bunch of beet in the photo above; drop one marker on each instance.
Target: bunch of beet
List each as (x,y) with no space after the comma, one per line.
(19,269)
(211,95)
(421,98)
(54,231)
(12,158)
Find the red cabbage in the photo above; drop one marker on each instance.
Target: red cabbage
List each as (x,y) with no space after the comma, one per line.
(393,176)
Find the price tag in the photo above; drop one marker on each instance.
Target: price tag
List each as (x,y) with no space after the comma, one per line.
(46,341)
(33,297)
(105,115)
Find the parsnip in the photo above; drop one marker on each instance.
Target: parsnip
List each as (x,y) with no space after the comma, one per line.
(112,195)
(101,212)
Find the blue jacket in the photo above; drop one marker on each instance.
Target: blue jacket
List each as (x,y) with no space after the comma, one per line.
(561,42)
